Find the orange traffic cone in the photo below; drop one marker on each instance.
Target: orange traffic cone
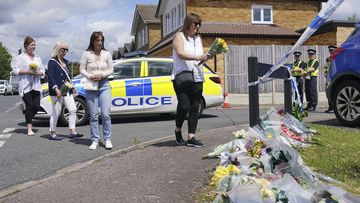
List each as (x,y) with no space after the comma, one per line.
(226,103)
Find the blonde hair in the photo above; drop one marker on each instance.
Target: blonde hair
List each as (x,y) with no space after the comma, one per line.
(57,47)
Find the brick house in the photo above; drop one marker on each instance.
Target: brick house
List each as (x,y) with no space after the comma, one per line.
(239,22)
(145,27)
(331,33)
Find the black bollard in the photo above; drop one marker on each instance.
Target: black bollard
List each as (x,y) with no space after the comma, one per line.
(287,96)
(253,92)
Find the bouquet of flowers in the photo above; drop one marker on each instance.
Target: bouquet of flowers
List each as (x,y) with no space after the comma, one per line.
(219,46)
(65,87)
(33,67)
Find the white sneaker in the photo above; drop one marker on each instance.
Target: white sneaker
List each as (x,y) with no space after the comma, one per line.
(93,145)
(108,144)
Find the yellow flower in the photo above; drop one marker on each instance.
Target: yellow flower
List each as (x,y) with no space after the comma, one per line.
(222,171)
(33,65)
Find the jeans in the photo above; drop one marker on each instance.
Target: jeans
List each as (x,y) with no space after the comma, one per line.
(188,102)
(95,99)
(32,105)
(56,108)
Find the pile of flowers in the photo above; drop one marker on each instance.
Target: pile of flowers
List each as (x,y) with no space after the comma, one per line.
(261,165)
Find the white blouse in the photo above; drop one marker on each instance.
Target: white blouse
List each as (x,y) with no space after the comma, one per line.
(89,65)
(192,46)
(27,82)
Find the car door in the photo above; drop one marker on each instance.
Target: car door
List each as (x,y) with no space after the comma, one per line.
(162,98)
(127,87)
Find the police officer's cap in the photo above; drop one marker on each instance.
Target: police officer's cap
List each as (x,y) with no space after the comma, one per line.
(297,53)
(311,51)
(331,47)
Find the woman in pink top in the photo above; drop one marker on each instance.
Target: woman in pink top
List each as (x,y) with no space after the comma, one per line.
(96,65)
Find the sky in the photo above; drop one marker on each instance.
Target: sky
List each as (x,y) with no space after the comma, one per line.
(73,21)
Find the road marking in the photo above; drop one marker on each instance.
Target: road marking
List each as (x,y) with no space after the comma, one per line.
(4,136)
(16,105)
(7,130)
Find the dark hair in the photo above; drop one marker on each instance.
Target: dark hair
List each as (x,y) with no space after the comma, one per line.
(28,40)
(94,36)
(190,19)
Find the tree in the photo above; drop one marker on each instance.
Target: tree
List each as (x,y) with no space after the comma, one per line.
(5,59)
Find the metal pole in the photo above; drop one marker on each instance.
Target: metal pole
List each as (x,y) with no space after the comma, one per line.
(253,92)
(287,96)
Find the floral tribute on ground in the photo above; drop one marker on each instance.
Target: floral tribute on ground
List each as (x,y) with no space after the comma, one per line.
(263,165)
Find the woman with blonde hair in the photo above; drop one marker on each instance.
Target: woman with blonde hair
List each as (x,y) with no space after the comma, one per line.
(58,74)
(28,66)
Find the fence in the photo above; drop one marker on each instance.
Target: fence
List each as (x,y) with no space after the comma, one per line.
(236,66)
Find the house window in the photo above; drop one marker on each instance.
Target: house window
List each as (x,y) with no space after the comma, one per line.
(180,9)
(174,18)
(167,23)
(261,14)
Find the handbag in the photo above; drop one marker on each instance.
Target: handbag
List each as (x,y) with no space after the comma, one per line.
(91,85)
(184,79)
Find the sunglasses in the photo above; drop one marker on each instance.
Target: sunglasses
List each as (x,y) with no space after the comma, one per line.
(64,49)
(197,24)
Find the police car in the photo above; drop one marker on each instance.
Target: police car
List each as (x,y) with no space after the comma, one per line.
(140,86)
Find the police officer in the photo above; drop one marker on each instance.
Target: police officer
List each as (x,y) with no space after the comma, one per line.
(296,71)
(326,70)
(310,73)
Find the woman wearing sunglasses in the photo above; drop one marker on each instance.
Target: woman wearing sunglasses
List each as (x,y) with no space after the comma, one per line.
(59,74)
(187,53)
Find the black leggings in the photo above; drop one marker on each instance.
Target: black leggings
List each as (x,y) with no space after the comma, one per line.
(32,105)
(188,102)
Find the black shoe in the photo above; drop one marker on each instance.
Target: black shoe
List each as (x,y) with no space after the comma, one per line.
(179,139)
(329,111)
(194,143)
(311,108)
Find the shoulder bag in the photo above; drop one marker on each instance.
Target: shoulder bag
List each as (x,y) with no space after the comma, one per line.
(184,79)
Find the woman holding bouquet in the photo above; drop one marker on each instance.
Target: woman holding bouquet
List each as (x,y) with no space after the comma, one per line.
(187,53)
(58,77)
(29,68)
(96,65)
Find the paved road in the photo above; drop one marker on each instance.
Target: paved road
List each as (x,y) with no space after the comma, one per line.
(24,158)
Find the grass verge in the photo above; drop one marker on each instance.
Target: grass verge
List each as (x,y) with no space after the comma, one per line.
(336,153)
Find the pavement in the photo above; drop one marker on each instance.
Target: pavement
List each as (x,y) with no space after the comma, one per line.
(155,171)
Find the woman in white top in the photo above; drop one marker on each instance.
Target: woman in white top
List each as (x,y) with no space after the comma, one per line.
(96,65)
(29,68)
(187,53)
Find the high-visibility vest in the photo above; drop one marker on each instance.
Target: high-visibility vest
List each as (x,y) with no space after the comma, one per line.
(296,70)
(326,67)
(310,65)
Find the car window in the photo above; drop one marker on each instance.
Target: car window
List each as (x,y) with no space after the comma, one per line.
(2,82)
(127,70)
(160,68)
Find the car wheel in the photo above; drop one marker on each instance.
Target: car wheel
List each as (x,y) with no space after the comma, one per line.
(82,113)
(201,107)
(347,103)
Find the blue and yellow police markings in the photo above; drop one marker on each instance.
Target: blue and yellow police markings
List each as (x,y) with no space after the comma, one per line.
(136,93)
